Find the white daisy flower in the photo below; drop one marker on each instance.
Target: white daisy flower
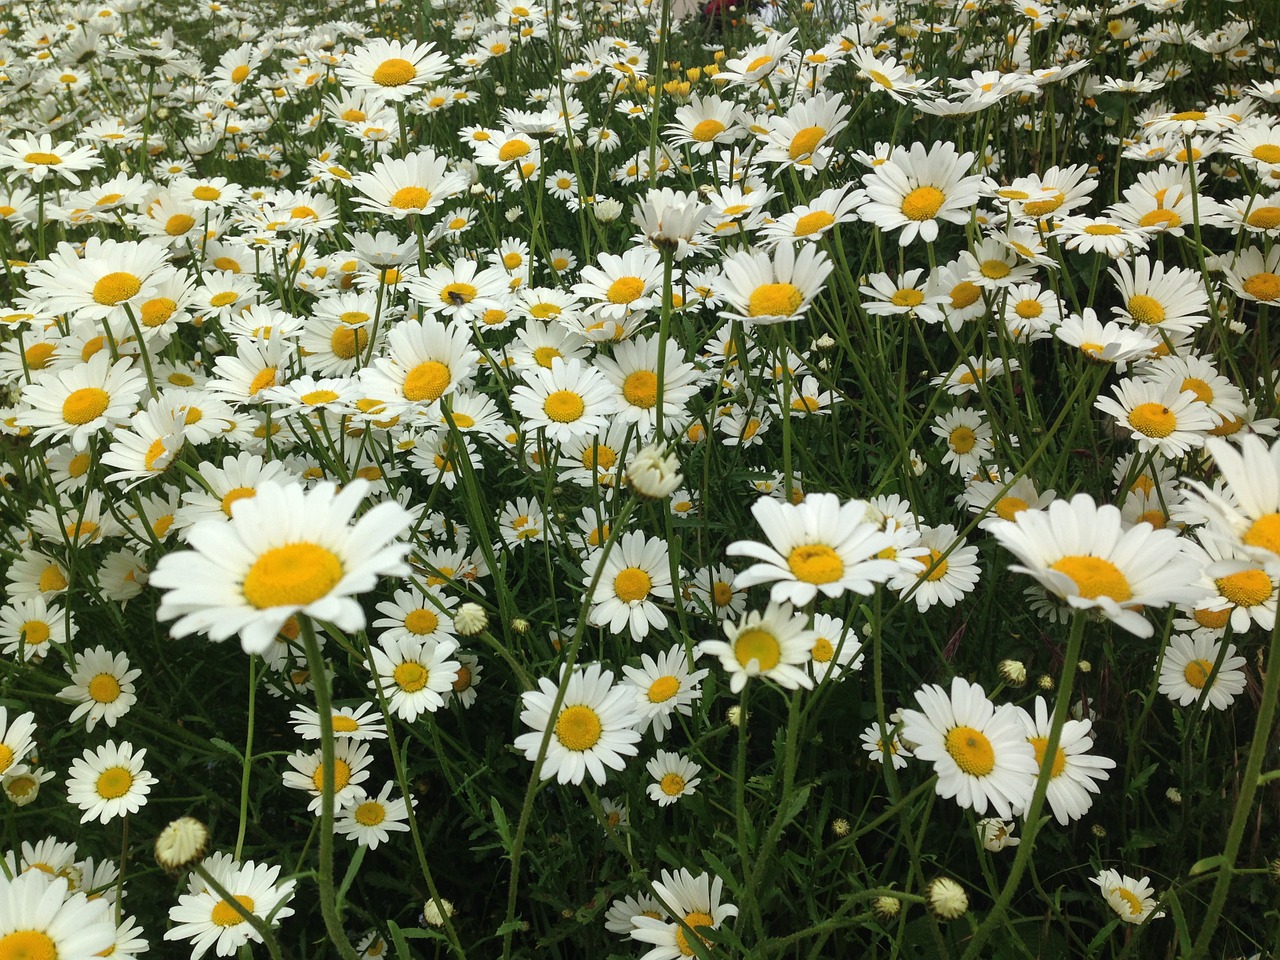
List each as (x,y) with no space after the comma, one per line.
(674,777)
(663,687)
(15,740)
(1133,900)
(774,644)
(695,900)
(1186,670)
(40,917)
(764,288)
(415,675)
(101,686)
(78,402)
(361,722)
(350,770)
(916,188)
(1159,416)
(207,920)
(109,782)
(568,400)
(636,572)
(1073,771)
(371,820)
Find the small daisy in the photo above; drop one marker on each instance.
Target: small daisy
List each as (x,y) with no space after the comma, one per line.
(622,913)
(361,722)
(109,782)
(674,777)
(371,820)
(979,752)
(101,686)
(594,728)
(350,769)
(415,675)
(664,687)
(991,497)
(1133,900)
(33,627)
(967,436)
(937,578)
(1186,670)
(636,572)
(207,920)
(1074,771)
(15,740)
(873,741)
(774,644)
(421,616)
(835,649)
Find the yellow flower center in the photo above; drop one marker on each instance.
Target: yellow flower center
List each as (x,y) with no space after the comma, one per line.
(1264,533)
(370,813)
(205,192)
(157,310)
(178,224)
(564,406)
(578,728)
(1145,309)
(971,750)
(294,575)
(1040,208)
(1196,673)
(236,493)
(427,381)
(346,342)
(266,377)
(1095,577)
(43,159)
(641,389)
(1028,309)
(663,689)
(938,572)
(421,622)
(625,290)
(707,130)
(923,203)
(1263,286)
(1248,588)
(51,580)
(85,405)
(458,293)
(341,775)
(1153,420)
(411,198)
(816,563)
(812,223)
(313,397)
(907,298)
(632,584)
(823,651)
(79,466)
(6,757)
(672,784)
(114,783)
(965,294)
(229,264)
(1185,115)
(410,676)
(1102,230)
(694,920)
(962,439)
(344,724)
(995,269)
(1059,758)
(154,453)
(1164,219)
(513,150)
(28,945)
(759,645)
(805,142)
(1267,153)
(35,632)
(39,355)
(1010,507)
(223,299)
(774,300)
(394,72)
(116,288)
(104,688)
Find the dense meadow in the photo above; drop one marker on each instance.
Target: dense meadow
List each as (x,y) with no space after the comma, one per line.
(564,481)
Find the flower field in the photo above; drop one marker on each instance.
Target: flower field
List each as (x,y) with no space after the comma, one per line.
(596,479)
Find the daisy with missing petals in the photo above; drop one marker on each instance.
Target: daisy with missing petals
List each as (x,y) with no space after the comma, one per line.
(1186,670)
(350,769)
(775,644)
(285,551)
(571,399)
(979,751)
(1159,416)
(1079,552)
(101,686)
(835,648)
(371,820)
(1074,771)
(415,675)
(78,402)
(109,782)
(696,901)
(636,572)
(674,777)
(207,920)
(914,189)
(760,288)
(1133,900)
(817,546)
(594,729)
(40,918)
(664,687)
(391,69)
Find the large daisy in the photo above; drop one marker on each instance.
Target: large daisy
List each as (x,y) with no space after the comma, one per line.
(392,69)
(568,400)
(916,188)
(1160,416)
(40,917)
(763,288)
(400,187)
(1247,511)
(78,402)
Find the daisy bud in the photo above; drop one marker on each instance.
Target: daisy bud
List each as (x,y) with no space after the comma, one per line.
(653,473)
(470,619)
(1044,682)
(477,189)
(520,626)
(500,91)
(606,211)
(824,342)
(1084,666)
(947,899)
(435,915)
(734,716)
(1273,868)
(1013,672)
(886,908)
(840,827)
(22,788)
(1173,795)
(1098,830)
(181,843)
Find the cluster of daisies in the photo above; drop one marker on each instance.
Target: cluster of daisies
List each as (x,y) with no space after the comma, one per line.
(317,337)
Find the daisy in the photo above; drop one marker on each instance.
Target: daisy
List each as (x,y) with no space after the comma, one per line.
(915,188)
(813,220)
(1224,399)
(109,782)
(462,291)
(835,649)
(706,123)
(619,286)
(967,437)
(633,369)
(392,69)
(817,546)
(1074,772)
(521,522)
(990,497)
(101,687)
(415,675)
(371,820)
(886,296)
(1169,299)
(695,900)
(37,158)
(419,616)
(402,186)
(594,728)
(664,687)
(1086,234)
(284,551)
(1133,900)
(40,917)
(636,572)
(255,365)
(1247,512)
(940,579)
(674,777)
(570,399)
(1159,416)
(78,402)
(1255,276)
(622,913)
(15,740)
(1111,342)
(1079,552)
(350,769)
(207,920)
(1187,671)
(873,741)
(803,139)
(774,644)
(109,279)
(979,751)
(425,361)
(761,289)
(221,488)
(34,627)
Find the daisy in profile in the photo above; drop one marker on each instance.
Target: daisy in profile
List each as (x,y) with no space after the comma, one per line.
(594,728)
(361,722)
(101,687)
(40,917)
(39,157)
(775,644)
(1133,900)
(285,551)
(77,402)
(674,777)
(979,752)
(1074,771)
(990,497)
(15,740)
(1253,275)
(695,900)
(622,913)
(760,288)
(811,221)
(1187,672)
(635,574)
(1160,416)
(109,782)
(571,399)
(402,186)
(1247,512)
(207,920)
(350,770)
(915,189)
(817,546)
(1112,342)
(1079,552)
(663,687)
(371,820)
(392,69)
(415,675)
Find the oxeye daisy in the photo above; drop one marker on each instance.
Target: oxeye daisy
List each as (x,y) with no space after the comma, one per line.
(1074,770)
(760,289)
(1079,552)
(836,648)
(622,913)
(991,497)
(392,69)
(938,578)
(35,628)
(416,615)
(109,782)
(425,361)
(674,777)
(633,369)
(285,551)
(1111,342)
(631,283)
(695,900)
(811,221)
(108,279)
(1160,416)
(967,436)
(774,644)
(207,920)
(350,770)
(593,729)
(636,572)
(1187,672)
(980,752)
(706,123)
(803,138)
(663,687)
(40,157)
(568,400)
(361,722)
(42,918)
(101,687)
(874,740)
(906,294)
(415,675)
(1133,900)
(403,186)
(1159,297)
(15,740)
(78,402)
(817,546)
(916,188)
(1247,512)
(371,820)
